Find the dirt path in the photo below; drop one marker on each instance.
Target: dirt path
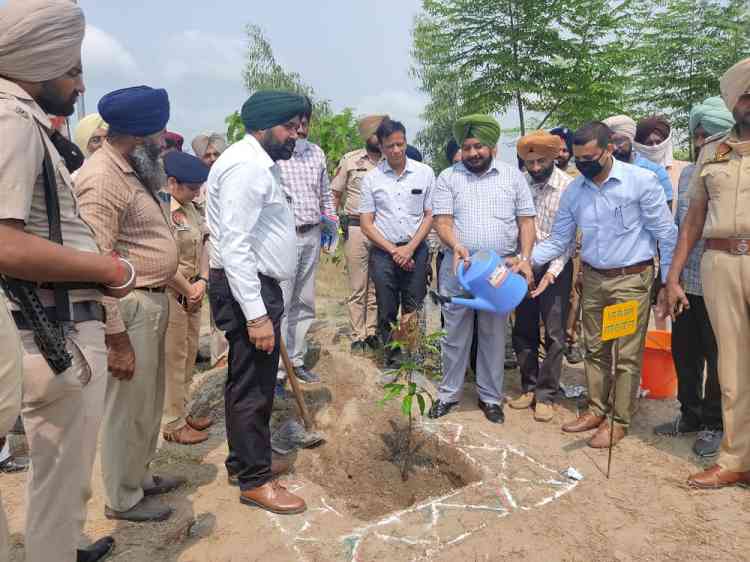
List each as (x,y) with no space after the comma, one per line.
(480,492)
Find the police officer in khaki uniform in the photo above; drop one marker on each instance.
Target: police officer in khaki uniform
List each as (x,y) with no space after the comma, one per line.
(718,212)
(40,62)
(185,176)
(346,187)
(10,392)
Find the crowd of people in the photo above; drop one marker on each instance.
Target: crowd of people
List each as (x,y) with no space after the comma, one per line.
(112,243)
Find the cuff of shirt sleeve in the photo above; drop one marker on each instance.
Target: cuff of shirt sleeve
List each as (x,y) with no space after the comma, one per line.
(253,309)
(114,325)
(556,267)
(664,271)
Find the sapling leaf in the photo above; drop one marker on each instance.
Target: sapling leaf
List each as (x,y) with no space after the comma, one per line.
(406,405)
(421,402)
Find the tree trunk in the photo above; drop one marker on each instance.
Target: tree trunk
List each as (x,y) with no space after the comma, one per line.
(519,103)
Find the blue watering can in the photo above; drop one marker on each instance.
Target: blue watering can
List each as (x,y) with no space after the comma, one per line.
(491,285)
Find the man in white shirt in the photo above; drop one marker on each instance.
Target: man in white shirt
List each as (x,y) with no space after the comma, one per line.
(252,225)
(396,216)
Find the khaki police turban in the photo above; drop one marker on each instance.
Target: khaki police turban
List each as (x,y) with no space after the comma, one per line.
(735,83)
(85,130)
(369,125)
(201,143)
(539,144)
(482,127)
(622,125)
(40,39)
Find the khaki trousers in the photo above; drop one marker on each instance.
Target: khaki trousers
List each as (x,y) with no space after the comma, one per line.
(61,414)
(11,372)
(599,292)
(726,291)
(180,349)
(363,311)
(133,409)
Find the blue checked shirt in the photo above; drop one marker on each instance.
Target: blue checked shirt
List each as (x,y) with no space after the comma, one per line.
(621,221)
(485,208)
(691,274)
(398,202)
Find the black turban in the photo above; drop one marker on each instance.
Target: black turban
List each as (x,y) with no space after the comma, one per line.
(565,134)
(412,152)
(269,108)
(450,150)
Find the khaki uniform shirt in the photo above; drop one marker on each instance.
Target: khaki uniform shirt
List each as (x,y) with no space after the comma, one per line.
(25,130)
(348,179)
(190,232)
(127,218)
(722,181)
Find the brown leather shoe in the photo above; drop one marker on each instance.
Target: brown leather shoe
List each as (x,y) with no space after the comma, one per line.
(717,477)
(273,497)
(585,422)
(279,465)
(600,440)
(185,435)
(201,423)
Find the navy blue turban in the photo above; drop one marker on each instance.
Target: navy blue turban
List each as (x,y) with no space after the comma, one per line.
(138,111)
(269,108)
(185,168)
(566,135)
(412,152)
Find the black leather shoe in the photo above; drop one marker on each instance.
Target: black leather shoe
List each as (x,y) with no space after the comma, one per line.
(358,346)
(372,342)
(14,464)
(493,412)
(98,551)
(163,485)
(440,409)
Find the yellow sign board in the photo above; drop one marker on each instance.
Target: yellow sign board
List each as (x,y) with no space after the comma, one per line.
(619,320)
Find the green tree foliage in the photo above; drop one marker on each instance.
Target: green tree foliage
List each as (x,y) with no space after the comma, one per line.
(685,47)
(336,133)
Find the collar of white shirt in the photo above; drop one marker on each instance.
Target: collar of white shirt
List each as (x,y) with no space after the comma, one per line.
(254,145)
(385,167)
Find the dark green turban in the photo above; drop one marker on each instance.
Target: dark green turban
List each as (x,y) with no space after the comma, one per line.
(482,127)
(269,108)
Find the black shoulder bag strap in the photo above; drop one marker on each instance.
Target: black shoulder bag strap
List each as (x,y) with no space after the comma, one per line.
(52,203)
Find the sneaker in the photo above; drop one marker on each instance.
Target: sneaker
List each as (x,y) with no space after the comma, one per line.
(522,402)
(573,354)
(680,426)
(543,412)
(708,442)
(305,376)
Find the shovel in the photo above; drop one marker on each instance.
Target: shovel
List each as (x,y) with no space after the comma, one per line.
(290,435)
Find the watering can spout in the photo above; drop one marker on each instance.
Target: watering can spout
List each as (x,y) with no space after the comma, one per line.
(475,303)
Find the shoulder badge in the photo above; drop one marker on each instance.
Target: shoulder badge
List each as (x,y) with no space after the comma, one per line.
(722,153)
(179,218)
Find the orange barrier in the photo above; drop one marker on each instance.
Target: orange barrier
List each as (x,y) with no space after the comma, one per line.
(658,374)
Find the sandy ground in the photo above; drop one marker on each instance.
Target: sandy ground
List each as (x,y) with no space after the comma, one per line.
(516,505)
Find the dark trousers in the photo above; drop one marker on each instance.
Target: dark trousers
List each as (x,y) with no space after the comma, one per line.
(552,308)
(397,288)
(251,377)
(693,350)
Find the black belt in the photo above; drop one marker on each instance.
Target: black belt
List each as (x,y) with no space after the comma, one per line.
(151,289)
(353,220)
(302,229)
(85,311)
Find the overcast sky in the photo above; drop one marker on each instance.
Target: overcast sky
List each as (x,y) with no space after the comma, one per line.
(356,54)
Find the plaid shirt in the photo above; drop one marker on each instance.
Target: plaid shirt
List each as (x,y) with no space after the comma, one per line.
(484,208)
(547,201)
(305,179)
(691,274)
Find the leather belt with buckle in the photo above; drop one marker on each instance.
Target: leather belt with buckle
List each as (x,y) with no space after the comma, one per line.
(736,246)
(151,289)
(85,311)
(302,229)
(620,271)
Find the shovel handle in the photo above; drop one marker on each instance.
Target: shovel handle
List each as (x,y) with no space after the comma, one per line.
(295,386)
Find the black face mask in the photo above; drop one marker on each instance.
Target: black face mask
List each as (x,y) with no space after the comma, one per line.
(590,168)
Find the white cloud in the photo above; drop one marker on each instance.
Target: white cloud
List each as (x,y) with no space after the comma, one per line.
(104,56)
(195,54)
(402,105)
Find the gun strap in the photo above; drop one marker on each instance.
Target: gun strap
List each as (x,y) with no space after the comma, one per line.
(52,203)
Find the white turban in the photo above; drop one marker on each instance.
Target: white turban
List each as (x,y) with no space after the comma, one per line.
(40,39)
(85,130)
(735,83)
(201,143)
(621,124)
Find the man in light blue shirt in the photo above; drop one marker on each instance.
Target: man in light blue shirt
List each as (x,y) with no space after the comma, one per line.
(622,213)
